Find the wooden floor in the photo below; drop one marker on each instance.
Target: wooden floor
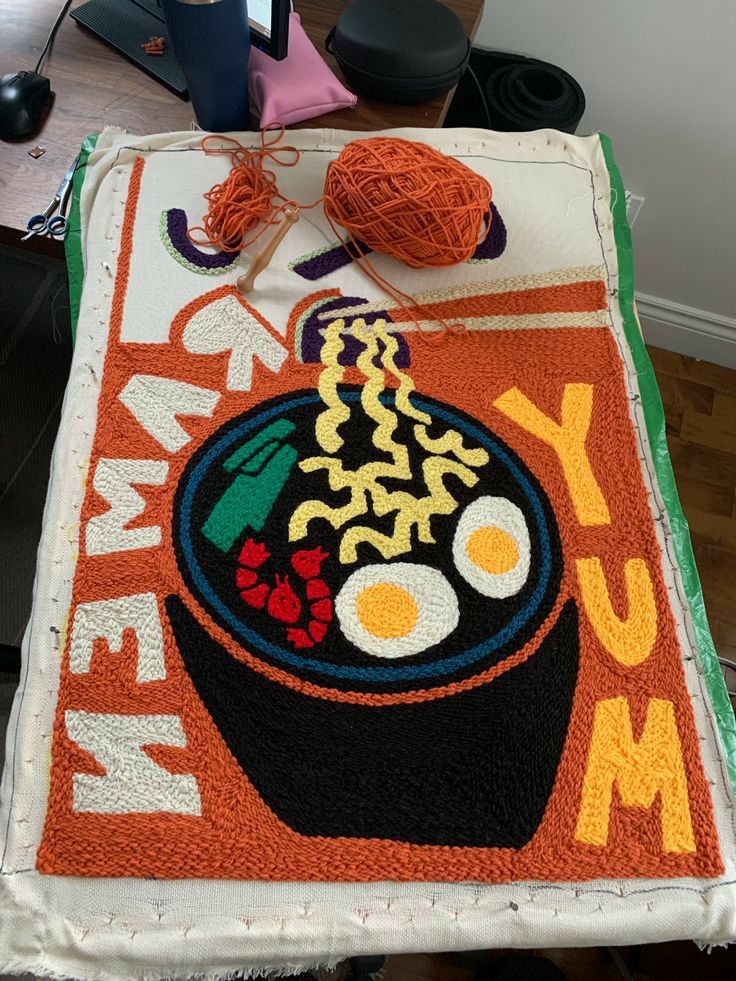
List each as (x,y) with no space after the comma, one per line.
(700,410)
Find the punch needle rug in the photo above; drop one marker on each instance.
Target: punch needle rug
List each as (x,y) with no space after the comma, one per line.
(323,598)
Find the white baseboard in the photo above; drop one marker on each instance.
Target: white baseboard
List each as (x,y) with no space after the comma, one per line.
(687,330)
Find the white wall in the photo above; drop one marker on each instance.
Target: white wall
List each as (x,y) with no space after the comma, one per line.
(660,79)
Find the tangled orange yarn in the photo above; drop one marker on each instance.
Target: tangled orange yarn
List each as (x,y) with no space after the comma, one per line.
(249,195)
(408,200)
(401,198)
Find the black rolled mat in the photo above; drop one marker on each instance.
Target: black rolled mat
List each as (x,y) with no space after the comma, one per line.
(532,95)
(514,93)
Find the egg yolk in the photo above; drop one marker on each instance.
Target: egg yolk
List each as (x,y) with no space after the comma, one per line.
(492,550)
(386,610)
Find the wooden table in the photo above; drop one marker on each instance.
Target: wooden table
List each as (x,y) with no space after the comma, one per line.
(95,86)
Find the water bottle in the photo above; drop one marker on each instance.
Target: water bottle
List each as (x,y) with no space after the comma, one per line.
(211,40)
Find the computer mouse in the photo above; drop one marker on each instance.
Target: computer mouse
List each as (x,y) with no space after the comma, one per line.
(22,98)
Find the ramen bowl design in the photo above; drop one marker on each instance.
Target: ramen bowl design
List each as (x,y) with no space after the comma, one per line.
(388,572)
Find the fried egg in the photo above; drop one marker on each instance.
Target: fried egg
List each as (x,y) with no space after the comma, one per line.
(491,547)
(396,610)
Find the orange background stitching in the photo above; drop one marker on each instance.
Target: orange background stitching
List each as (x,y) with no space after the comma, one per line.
(238,836)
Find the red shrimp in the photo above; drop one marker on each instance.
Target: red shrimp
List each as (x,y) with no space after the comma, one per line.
(280,600)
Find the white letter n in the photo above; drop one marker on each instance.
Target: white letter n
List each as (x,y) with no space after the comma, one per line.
(133,782)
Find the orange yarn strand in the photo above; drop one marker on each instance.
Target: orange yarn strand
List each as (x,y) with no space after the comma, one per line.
(400,198)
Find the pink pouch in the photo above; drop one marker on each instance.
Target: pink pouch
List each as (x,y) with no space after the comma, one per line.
(297,88)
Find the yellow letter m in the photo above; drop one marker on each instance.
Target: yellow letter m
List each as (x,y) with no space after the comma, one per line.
(640,770)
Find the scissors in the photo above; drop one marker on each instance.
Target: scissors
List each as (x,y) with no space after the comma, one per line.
(48,223)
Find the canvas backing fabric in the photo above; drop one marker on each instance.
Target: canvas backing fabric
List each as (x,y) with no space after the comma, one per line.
(216,603)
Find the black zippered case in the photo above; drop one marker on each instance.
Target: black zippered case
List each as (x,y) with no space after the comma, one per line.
(400,51)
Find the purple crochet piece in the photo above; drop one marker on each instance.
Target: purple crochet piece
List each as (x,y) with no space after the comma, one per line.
(328,262)
(495,241)
(312,339)
(176,227)
(333,259)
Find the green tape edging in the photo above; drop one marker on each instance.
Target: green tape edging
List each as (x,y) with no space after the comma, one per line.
(654,420)
(73,239)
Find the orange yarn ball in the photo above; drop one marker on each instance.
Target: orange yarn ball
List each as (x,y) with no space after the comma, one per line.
(408,200)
